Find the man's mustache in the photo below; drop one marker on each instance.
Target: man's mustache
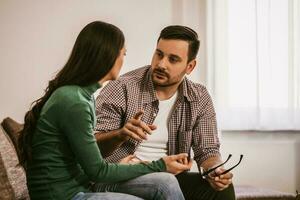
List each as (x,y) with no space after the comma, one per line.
(161,71)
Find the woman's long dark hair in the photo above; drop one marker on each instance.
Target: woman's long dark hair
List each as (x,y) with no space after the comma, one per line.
(94,53)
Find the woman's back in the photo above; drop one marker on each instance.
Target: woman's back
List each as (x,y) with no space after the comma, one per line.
(54,164)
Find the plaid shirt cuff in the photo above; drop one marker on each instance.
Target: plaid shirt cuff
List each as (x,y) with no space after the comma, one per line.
(205,156)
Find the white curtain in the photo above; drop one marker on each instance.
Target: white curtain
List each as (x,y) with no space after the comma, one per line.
(253,63)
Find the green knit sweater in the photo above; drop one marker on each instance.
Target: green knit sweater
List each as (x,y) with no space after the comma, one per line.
(65,155)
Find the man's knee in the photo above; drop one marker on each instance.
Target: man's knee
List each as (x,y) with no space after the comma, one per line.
(228,193)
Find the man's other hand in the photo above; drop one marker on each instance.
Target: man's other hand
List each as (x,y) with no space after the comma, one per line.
(219,182)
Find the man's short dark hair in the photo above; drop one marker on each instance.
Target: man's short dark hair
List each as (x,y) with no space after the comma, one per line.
(177,32)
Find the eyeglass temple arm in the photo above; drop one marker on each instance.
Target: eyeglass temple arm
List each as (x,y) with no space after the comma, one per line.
(213,169)
(228,170)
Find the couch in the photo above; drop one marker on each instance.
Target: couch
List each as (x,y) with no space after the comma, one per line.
(13,178)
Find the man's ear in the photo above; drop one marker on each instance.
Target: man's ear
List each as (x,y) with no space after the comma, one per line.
(190,66)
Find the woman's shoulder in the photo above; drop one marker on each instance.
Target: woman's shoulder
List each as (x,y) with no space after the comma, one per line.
(67,90)
(68,96)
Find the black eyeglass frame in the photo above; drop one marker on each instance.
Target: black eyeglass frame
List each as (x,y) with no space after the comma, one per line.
(205,173)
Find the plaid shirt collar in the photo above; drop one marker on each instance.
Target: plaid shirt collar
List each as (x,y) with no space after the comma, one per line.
(149,95)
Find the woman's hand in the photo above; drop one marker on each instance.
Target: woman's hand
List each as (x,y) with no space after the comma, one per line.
(127,160)
(132,159)
(177,163)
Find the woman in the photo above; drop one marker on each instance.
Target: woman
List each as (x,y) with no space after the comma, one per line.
(57,146)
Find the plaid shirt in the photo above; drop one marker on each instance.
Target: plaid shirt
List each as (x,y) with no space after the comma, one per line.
(192,123)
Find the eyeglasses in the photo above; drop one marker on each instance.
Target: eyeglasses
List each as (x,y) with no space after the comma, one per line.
(204,174)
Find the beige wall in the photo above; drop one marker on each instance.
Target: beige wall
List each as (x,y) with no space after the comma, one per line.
(36,38)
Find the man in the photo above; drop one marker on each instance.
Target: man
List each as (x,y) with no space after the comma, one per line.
(160,94)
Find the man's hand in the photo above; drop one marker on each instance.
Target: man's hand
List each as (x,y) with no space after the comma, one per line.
(108,142)
(219,182)
(177,163)
(136,129)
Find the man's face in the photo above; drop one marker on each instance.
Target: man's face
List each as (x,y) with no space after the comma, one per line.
(170,62)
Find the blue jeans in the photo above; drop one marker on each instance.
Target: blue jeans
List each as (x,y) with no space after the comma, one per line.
(154,186)
(104,196)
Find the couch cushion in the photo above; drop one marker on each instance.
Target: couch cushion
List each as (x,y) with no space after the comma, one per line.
(13,129)
(6,190)
(13,175)
(255,193)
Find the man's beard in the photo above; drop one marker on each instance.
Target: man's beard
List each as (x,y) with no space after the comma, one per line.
(159,84)
(162,72)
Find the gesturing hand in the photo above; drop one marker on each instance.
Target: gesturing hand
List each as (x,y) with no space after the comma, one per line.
(136,129)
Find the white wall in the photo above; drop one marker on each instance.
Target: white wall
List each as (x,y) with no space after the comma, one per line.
(271,160)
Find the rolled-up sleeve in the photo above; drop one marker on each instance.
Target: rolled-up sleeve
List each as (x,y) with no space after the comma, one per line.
(206,142)
(110,107)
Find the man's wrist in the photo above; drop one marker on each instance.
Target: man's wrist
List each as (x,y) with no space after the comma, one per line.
(120,136)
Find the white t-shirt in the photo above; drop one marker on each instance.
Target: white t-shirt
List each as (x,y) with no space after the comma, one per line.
(155,146)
